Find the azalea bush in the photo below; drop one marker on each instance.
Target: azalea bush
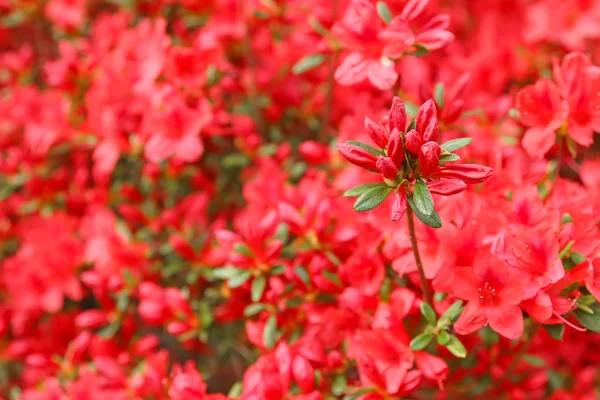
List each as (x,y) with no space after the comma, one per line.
(299,199)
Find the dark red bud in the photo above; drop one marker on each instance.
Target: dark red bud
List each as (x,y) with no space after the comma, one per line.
(432,132)
(377,132)
(426,114)
(386,166)
(429,158)
(358,156)
(397,115)
(413,141)
(395,149)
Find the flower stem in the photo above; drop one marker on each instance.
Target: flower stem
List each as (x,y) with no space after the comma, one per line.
(427,296)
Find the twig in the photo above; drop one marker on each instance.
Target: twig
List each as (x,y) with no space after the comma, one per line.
(415,248)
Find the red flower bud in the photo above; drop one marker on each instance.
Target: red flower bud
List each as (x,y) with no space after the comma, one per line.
(397,115)
(446,187)
(429,158)
(358,156)
(395,149)
(314,153)
(399,206)
(413,141)
(468,173)
(426,114)
(378,134)
(386,166)
(432,131)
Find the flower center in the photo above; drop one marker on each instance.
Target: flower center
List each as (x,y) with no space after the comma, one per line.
(487,293)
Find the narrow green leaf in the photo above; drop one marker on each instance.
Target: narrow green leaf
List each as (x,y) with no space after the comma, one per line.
(331,277)
(364,146)
(449,157)
(372,198)
(514,114)
(307,63)
(239,279)
(338,387)
(236,390)
(302,274)
(225,272)
(438,94)
(384,12)
(254,309)
(432,220)
(422,198)
(456,347)
(443,338)
(278,270)
(555,331)
(421,341)
(590,321)
(533,360)
(429,313)
(270,332)
(241,248)
(412,125)
(453,312)
(456,144)
(258,288)
(109,330)
(360,189)
(566,219)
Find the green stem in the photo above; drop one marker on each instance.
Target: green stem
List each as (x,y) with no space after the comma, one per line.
(427,296)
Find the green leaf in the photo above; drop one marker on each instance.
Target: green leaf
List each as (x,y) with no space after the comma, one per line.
(338,387)
(360,189)
(225,272)
(254,309)
(429,313)
(566,218)
(364,146)
(449,157)
(412,125)
(411,110)
(432,220)
(438,94)
(533,360)
(577,258)
(109,330)
(456,347)
(443,338)
(307,63)
(278,270)
(258,288)
(270,332)
(241,248)
(590,321)
(333,258)
(422,198)
(453,312)
(384,12)
(555,331)
(331,277)
(372,198)
(239,279)
(420,50)
(421,341)
(455,144)
(302,274)
(236,390)
(358,393)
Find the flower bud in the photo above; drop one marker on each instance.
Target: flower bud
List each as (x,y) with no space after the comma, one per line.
(413,141)
(426,114)
(358,156)
(432,132)
(446,187)
(314,153)
(429,158)
(395,148)
(386,166)
(468,173)
(377,132)
(397,115)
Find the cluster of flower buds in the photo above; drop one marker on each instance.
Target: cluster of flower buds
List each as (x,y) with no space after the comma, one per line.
(411,163)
